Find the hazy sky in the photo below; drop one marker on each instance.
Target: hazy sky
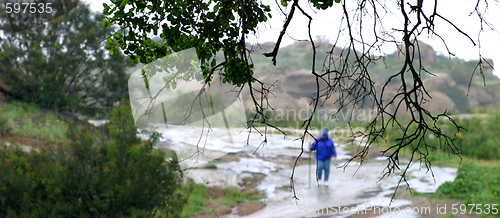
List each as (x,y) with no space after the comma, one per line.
(326,23)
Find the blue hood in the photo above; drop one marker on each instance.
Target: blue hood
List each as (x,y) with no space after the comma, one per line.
(325,147)
(325,133)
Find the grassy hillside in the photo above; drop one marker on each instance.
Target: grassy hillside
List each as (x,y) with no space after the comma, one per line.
(446,78)
(478,186)
(27,124)
(478,177)
(298,56)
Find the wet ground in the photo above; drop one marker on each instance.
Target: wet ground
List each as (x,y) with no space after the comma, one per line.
(353,191)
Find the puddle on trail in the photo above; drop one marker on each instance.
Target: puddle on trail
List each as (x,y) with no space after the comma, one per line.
(357,188)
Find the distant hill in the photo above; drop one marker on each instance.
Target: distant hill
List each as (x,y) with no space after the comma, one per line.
(448,87)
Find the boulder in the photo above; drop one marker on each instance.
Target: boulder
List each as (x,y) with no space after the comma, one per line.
(439,102)
(427,55)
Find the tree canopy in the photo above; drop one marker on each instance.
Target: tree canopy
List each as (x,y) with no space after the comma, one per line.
(222,26)
(63,64)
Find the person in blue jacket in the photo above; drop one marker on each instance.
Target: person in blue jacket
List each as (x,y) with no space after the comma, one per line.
(325,151)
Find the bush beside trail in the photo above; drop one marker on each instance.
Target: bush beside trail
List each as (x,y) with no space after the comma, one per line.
(94,175)
(475,185)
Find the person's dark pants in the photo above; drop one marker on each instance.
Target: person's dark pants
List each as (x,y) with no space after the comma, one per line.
(324,165)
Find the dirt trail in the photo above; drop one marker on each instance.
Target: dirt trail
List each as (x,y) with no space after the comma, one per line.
(352,191)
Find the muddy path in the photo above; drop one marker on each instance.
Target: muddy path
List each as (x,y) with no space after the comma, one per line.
(353,191)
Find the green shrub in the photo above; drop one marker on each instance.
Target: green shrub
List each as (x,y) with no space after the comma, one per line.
(92,176)
(4,128)
(198,197)
(475,185)
(211,166)
(234,196)
(479,140)
(28,121)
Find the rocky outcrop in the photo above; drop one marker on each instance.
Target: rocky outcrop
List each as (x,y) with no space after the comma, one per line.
(439,102)
(487,66)
(265,47)
(293,87)
(441,82)
(423,51)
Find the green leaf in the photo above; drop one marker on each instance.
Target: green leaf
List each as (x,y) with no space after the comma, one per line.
(124,2)
(211,15)
(337,1)
(104,22)
(106,9)
(176,12)
(110,40)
